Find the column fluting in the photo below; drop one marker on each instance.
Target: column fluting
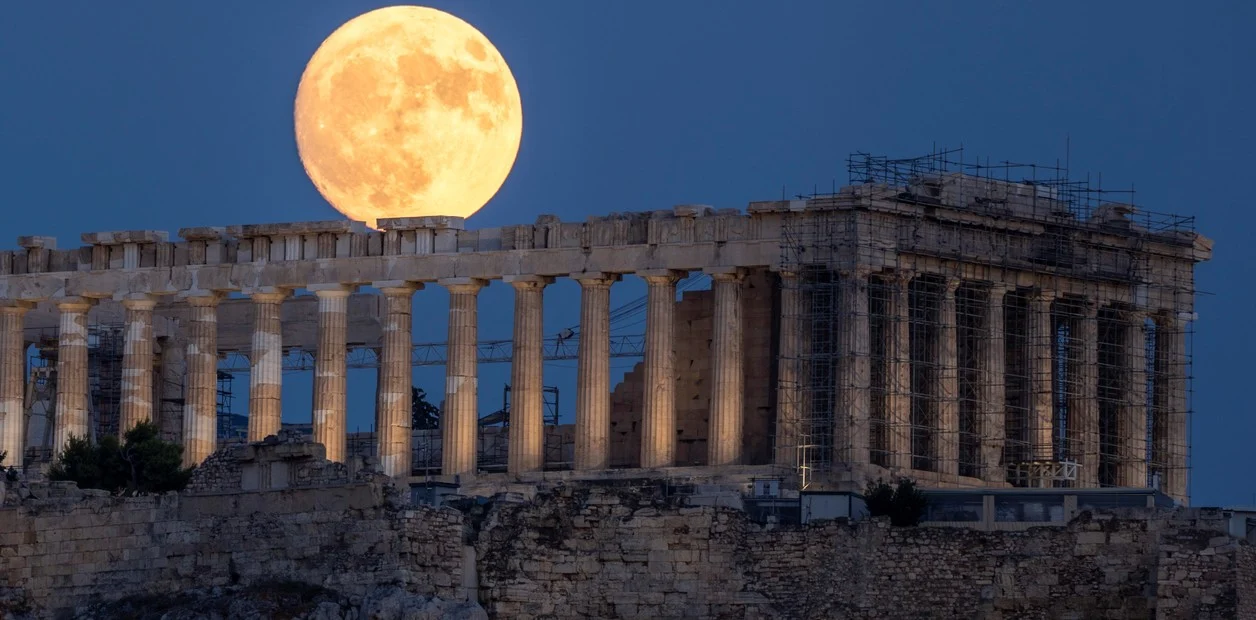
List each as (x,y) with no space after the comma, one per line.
(266,369)
(993,352)
(1083,403)
(527,416)
(946,428)
(137,364)
(460,418)
(593,374)
(724,443)
(329,370)
(658,415)
(854,376)
(393,416)
(789,372)
(13,383)
(898,371)
(71,417)
(1041,402)
(200,405)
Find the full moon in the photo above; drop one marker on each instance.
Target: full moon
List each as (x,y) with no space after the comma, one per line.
(407,111)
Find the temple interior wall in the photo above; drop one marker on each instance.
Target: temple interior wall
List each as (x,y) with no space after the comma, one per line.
(694,314)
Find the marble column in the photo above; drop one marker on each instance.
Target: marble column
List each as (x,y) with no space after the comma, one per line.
(724,441)
(946,429)
(1083,397)
(526,452)
(1133,405)
(789,371)
(1171,407)
(330,390)
(658,415)
(898,370)
(13,383)
(137,364)
(393,415)
(200,404)
(71,415)
(593,374)
(266,369)
(854,373)
(993,359)
(460,420)
(1041,403)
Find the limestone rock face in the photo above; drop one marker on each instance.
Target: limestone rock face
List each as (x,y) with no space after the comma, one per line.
(393,603)
(287,600)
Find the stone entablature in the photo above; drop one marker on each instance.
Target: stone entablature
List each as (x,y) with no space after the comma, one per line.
(684,238)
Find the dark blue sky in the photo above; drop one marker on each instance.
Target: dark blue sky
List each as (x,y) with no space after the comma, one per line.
(164,115)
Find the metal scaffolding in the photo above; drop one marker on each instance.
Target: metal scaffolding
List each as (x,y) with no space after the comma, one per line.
(1024,381)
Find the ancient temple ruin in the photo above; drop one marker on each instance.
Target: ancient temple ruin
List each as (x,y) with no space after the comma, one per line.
(964,325)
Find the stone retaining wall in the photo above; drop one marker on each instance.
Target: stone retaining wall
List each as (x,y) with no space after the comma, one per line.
(625,551)
(583,553)
(67,552)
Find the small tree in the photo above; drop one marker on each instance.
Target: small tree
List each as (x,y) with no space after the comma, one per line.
(904,504)
(423,415)
(143,463)
(11,473)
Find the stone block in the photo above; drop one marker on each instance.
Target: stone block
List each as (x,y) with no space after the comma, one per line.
(124,237)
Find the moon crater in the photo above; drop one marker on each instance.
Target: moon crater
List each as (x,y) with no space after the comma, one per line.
(407,111)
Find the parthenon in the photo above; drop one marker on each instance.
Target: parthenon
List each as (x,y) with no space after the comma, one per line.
(958,328)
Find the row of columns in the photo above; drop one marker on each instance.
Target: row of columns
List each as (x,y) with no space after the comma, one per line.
(853,381)
(460,417)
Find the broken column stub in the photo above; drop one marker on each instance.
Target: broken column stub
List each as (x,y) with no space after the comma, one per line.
(34,258)
(124,249)
(261,243)
(431,234)
(205,245)
(676,225)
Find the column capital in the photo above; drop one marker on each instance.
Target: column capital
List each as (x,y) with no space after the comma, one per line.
(898,277)
(660,277)
(394,288)
(15,307)
(201,299)
(787,273)
(725,274)
(1042,293)
(861,271)
(998,288)
(596,279)
(1088,305)
(75,304)
(463,285)
(268,294)
(952,284)
(524,282)
(332,291)
(139,301)
(1131,315)
(1169,318)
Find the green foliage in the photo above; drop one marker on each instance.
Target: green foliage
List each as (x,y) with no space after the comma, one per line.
(423,415)
(142,464)
(10,473)
(904,503)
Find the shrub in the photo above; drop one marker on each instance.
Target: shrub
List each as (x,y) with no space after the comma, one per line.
(11,473)
(142,464)
(423,415)
(904,503)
